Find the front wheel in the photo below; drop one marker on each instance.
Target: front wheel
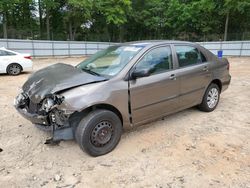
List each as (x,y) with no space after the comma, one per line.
(210,99)
(99,132)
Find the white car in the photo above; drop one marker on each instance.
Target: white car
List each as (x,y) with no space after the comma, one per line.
(14,63)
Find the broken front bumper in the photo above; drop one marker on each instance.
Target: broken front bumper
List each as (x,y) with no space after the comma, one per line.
(34,118)
(52,122)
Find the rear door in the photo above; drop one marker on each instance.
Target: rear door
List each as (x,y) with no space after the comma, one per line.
(156,95)
(194,72)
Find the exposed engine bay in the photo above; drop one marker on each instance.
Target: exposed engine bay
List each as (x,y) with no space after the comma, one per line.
(45,115)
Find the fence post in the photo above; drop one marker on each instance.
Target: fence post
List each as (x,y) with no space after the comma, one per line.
(241,48)
(7,42)
(33,49)
(85,48)
(69,48)
(53,53)
(221,45)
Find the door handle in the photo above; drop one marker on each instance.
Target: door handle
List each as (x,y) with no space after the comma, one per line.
(205,68)
(172,77)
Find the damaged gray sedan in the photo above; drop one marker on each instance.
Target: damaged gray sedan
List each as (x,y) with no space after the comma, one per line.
(121,87)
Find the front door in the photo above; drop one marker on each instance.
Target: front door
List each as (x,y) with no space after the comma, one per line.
(156,95)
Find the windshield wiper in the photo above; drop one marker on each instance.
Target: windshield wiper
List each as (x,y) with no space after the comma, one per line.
(91,72)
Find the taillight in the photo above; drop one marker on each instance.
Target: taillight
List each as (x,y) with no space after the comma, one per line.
(27,57)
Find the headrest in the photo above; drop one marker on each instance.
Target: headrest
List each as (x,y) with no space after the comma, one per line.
(191,55)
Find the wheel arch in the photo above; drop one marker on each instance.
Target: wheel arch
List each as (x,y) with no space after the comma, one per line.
(218,83)
(214,81)
(76,117)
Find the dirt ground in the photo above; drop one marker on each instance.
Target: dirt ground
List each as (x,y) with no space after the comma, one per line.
(187,149)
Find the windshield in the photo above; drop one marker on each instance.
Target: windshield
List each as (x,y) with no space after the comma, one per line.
(109,62)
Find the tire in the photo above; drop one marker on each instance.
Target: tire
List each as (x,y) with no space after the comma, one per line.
(14,69)
(210,99)
(99,132)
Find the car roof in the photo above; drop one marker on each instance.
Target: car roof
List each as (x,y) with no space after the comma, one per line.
(152,43)
(157,42)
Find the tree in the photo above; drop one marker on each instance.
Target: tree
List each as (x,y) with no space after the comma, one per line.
(48,6)
(40,18)
(77,12)
(115,13)
(5,7)
(231,7)
(149,15)
(125,20)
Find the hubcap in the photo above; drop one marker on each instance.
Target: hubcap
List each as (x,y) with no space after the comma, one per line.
(212,98)
(102,134)
(14,69)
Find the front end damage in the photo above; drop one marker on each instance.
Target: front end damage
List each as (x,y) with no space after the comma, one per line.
(46,115)
(41,103)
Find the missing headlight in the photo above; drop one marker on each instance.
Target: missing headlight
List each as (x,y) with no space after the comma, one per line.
(50,102)
(47,104)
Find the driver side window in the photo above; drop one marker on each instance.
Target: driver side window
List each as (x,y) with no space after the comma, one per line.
(159,58)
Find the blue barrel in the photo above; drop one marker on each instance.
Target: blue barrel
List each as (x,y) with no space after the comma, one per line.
(220,54)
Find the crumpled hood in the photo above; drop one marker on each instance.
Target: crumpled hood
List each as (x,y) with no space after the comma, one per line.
(56,78)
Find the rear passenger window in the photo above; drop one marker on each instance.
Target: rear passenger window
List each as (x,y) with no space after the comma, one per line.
(188,55)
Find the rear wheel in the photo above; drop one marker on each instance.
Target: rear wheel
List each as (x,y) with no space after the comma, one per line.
(211,98)
(14,69)
(99,132)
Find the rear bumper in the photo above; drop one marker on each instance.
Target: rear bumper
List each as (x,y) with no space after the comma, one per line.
(226,83)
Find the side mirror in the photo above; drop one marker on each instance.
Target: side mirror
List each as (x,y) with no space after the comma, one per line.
(142,72)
